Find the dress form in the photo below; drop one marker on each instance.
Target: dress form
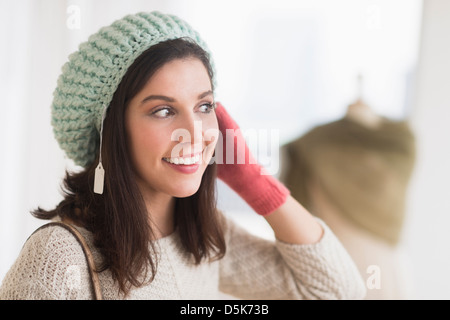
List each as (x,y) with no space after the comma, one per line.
(361,112)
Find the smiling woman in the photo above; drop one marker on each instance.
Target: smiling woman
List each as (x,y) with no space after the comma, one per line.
(180,94)
(138,180)
(155,231)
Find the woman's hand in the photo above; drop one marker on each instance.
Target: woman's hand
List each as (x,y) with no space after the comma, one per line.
(290,221)
(241,172)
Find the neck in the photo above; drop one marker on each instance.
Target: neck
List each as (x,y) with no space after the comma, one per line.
(363,114)
(160,208)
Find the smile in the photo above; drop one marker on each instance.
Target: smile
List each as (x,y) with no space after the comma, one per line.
(187,161)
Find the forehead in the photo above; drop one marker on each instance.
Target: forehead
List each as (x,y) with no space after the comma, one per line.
(180,74)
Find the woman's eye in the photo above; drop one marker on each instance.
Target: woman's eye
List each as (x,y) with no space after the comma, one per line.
(162,113)
(206,107)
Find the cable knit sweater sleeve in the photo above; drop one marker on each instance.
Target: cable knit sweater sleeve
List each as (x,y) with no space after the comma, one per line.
(41,273)
(255,268)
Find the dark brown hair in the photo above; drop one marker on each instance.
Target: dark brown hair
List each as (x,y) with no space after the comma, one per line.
(118,219)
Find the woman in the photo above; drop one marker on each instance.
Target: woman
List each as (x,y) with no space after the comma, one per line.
(142,92)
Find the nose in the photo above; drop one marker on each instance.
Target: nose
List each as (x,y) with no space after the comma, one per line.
(189,135)
(194,128)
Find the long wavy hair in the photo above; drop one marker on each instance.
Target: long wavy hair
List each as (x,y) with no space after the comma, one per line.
(118,219)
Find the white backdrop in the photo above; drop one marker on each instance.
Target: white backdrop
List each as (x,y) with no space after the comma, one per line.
(284,65)
(427,233)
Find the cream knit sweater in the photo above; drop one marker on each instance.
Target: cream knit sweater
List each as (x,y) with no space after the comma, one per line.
(52,265)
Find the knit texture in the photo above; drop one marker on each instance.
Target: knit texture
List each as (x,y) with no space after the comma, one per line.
(243,174)
(364,172)
(52,265)
(92,74)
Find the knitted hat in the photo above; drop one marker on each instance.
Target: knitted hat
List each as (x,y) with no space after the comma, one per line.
(91,76)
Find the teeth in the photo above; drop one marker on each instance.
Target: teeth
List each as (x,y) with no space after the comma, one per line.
(184,161)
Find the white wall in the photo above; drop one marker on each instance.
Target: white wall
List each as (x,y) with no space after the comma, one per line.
(428,235)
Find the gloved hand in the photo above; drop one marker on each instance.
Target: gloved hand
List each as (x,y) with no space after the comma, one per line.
(262,192)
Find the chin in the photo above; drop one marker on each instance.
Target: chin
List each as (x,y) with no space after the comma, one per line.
(186,191)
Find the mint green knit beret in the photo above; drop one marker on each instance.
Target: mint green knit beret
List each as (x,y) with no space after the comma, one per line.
(92,74)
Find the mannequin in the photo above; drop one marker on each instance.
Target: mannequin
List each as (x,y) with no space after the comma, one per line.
(362,113)
(353,173)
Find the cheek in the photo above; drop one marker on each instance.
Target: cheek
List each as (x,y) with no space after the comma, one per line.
(210,135)
(210,130)
(147,143)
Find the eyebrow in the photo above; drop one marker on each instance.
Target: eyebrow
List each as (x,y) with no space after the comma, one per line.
(170,99)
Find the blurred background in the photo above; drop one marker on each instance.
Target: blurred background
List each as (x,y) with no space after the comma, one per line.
(282,66)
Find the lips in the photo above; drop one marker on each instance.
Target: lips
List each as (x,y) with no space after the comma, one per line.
(187,165)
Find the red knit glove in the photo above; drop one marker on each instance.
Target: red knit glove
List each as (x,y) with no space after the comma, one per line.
(242,173)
